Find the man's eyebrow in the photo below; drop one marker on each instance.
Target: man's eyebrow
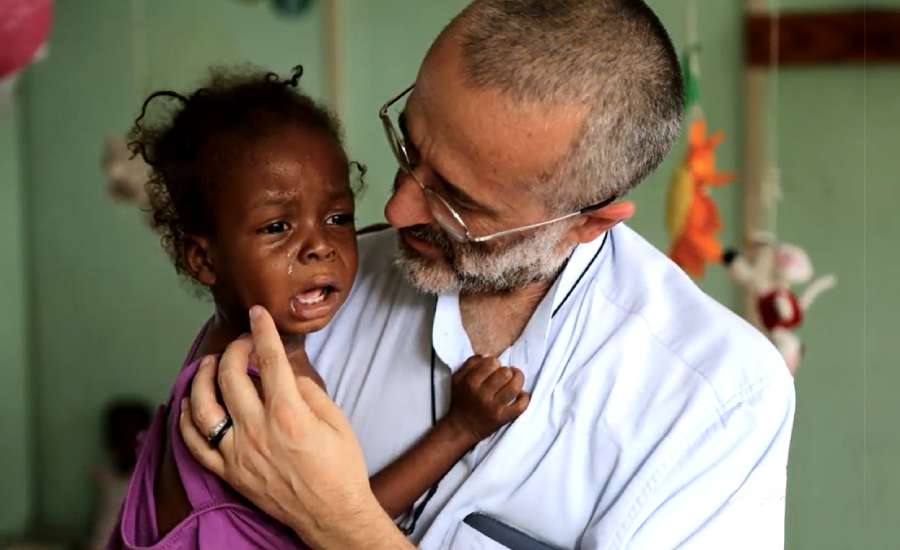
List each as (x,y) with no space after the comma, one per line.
(452,192)
(458,196)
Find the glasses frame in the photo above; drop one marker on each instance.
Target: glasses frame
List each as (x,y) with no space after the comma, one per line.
(398,147)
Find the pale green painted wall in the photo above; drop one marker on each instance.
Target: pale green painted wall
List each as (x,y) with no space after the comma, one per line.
(15,441)
(841,169)
(109,320)
(838,136)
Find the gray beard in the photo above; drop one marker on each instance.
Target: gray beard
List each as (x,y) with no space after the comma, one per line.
(472,268)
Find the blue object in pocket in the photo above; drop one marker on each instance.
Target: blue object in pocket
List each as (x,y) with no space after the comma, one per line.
(504,534)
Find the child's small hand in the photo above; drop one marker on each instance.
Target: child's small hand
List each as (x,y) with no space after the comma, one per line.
(485,396)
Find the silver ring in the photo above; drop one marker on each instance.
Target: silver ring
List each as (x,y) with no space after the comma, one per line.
(218,432)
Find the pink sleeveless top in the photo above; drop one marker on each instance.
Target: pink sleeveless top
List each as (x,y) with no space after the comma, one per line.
(219,518)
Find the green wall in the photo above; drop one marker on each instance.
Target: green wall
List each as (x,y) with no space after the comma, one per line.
(109,318)
(15,441)
(841,170)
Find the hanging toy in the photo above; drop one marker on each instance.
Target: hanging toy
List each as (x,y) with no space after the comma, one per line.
(775,268)
(24,26)
(126,173)
(692,218)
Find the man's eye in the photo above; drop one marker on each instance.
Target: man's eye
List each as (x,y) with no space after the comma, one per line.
(340,219)
(412,154)
(275,228)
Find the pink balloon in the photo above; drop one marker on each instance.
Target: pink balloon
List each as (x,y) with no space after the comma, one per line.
(24,26)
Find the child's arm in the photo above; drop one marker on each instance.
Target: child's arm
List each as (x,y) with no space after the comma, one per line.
(485,396)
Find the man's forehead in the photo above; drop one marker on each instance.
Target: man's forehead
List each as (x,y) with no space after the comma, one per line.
(495,134)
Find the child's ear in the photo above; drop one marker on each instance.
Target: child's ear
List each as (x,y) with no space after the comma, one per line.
(198,258)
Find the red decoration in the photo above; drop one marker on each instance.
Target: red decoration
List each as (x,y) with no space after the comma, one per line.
(24,27)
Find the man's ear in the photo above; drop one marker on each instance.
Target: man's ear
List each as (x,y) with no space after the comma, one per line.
(198,258)
(591,225)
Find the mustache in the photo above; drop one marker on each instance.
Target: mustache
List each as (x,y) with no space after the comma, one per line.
(431,235)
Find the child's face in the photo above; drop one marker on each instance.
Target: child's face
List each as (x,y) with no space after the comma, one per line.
(284,232)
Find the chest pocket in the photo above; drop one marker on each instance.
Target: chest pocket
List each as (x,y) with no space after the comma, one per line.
(467,537)
(482,532)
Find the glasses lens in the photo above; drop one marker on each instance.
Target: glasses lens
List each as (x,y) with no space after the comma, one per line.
(395,142)
(445,217)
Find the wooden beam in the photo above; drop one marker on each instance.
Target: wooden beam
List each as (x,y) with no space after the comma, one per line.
(816,38)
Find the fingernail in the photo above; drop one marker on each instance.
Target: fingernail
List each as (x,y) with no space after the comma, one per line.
(205,362)
(254,313)
(183,404)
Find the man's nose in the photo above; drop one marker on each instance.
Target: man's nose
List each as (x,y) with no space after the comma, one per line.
(407,206)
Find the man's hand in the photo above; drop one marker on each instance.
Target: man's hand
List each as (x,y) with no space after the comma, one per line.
(485,396)
(292,453)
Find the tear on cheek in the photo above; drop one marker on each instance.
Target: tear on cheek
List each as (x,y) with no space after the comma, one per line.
(291,260)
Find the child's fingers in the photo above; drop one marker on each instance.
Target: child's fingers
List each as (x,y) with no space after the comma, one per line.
(511,389)
(274,367)
(469,364)
(197,443)
(496,381)
(519,405)
(479,372)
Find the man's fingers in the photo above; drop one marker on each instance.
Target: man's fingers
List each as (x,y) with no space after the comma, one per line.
(205,409)
(274,367)
(197,443)
(238,391)
(320,406)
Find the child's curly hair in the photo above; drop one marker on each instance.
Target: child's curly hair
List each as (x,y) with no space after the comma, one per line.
(229,103)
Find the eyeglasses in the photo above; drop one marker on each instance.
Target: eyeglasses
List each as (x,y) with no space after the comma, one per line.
(445,215)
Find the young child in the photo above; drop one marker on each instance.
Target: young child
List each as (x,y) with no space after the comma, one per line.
(251,194)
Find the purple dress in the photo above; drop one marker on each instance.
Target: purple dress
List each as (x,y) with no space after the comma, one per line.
(219,517)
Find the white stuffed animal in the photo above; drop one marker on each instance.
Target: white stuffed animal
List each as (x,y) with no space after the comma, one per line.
(769,276)
(126,173)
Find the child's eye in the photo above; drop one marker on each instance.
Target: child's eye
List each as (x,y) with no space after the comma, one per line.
(340,219)
(275,227)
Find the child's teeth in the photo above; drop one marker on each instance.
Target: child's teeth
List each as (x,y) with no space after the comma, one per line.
(312,296)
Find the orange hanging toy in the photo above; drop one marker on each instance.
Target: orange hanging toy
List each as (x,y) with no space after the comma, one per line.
(692,218)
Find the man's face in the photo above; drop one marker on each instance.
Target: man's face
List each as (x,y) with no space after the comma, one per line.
(478,150)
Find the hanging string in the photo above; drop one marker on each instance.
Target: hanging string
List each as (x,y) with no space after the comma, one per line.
(692,59)
(772,191)
(139,56)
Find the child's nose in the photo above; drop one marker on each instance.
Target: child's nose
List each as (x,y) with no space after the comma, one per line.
(316,249)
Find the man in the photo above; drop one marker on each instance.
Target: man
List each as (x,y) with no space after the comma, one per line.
(657,418)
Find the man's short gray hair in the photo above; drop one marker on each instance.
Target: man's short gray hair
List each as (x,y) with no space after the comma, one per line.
(614,56)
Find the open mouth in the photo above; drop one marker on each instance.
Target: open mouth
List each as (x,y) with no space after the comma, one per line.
(315,296)
(314,303)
